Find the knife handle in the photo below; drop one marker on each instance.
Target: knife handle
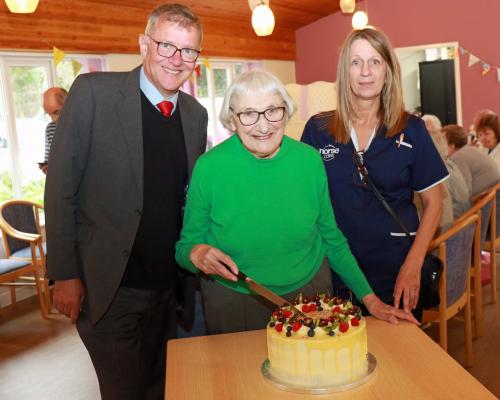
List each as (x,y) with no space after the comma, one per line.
(240,275)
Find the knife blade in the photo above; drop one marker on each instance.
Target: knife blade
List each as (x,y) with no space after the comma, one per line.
(265,292)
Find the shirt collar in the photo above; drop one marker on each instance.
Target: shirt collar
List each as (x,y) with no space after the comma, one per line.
(153,94)
(354,138)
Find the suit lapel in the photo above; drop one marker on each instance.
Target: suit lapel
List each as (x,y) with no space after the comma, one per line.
(189,130)
(130,115)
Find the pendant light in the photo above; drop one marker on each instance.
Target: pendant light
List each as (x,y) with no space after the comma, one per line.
(347,6)
(22,6)
(262,17)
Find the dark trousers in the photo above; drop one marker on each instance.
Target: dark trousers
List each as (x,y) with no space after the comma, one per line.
(128,344)
(229,311)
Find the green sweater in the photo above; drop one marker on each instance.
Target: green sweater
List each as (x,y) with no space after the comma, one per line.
(273,217)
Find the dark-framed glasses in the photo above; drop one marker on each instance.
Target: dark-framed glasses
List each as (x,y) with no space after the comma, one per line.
(273,114)
(168,50)
(359,176)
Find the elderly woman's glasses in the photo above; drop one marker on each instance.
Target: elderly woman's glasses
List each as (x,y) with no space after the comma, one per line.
(273,114)
(168,50)
(359,176)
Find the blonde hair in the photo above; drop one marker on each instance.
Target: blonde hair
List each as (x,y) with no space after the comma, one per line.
(391,112)
(252,82)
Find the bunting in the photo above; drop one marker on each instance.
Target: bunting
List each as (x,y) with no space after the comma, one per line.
(473,60)
(77,66)
(58,55)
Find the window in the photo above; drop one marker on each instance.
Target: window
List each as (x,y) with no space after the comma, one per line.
(209,87)
(23,79)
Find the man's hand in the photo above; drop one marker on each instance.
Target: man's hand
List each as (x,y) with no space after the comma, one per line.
(68,297)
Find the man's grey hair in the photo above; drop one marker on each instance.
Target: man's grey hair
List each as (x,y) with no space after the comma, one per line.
(177,13)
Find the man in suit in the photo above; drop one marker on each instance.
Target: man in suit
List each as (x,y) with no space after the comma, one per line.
(120,161)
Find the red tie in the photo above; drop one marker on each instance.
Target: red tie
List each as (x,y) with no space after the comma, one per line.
(166,107)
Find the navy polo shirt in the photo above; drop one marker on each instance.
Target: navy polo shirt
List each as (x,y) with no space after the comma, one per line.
(398,166)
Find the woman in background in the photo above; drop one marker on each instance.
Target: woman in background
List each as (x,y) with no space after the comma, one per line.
(488,132)
(371,127)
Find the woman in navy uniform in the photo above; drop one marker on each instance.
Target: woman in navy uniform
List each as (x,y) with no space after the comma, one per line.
(399,157)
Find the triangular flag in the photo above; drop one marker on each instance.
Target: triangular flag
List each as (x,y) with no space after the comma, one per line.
(77,66)
(472,60)
(485,69)
(58,55)
(498,74)
(206,63)
(197,70)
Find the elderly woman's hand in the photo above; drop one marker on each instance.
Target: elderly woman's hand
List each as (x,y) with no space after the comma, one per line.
(212,261)
(386,312)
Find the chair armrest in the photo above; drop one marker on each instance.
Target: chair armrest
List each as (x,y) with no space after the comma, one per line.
(27,237)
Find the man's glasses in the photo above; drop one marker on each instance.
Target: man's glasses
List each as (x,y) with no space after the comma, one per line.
(168,50)
(359,177)
(274,114)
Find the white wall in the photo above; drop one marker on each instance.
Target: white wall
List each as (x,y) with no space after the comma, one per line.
(409,70)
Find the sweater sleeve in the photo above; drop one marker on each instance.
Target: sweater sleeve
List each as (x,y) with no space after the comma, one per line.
(337,249)
(196,218)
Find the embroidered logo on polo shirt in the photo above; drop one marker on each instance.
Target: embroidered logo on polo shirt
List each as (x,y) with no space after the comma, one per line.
(328,152)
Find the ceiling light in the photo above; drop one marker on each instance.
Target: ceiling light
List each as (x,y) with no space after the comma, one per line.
(262,17)
(22,6)
(347,6)
(359,20)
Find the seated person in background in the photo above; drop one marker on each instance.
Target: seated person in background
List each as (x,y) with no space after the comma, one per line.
(480,172)
(433,125)
(456,187)
(259,202)
(53,100)
(488,131)
(472,138)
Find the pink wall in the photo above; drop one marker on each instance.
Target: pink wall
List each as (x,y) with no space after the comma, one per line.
(474,25)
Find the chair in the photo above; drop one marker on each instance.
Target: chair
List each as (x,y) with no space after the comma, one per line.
(12,272)
(482,205)
(493,241)
(455,249)
(22,239)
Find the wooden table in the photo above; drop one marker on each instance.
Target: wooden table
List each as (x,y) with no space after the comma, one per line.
(410,365)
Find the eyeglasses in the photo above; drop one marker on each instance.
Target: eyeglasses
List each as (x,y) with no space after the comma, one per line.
(359,176)
(274,114)
(168,50)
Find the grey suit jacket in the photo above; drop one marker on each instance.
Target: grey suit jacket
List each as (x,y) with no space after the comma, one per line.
(94,188)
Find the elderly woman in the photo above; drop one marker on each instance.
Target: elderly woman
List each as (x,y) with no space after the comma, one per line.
(259,202)
(480,173)
(371,128)
(488,132)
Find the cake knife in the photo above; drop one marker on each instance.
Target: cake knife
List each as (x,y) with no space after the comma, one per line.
(265,292)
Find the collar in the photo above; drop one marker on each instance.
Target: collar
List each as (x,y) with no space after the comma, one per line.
(354,138)
(153,94)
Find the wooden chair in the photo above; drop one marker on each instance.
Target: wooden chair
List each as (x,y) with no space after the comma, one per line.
(455,249)
(482,206)
(22,239)
(492,242)
(16,273)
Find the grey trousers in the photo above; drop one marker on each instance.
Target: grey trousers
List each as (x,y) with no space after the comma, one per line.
(229,311)
(128,344)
